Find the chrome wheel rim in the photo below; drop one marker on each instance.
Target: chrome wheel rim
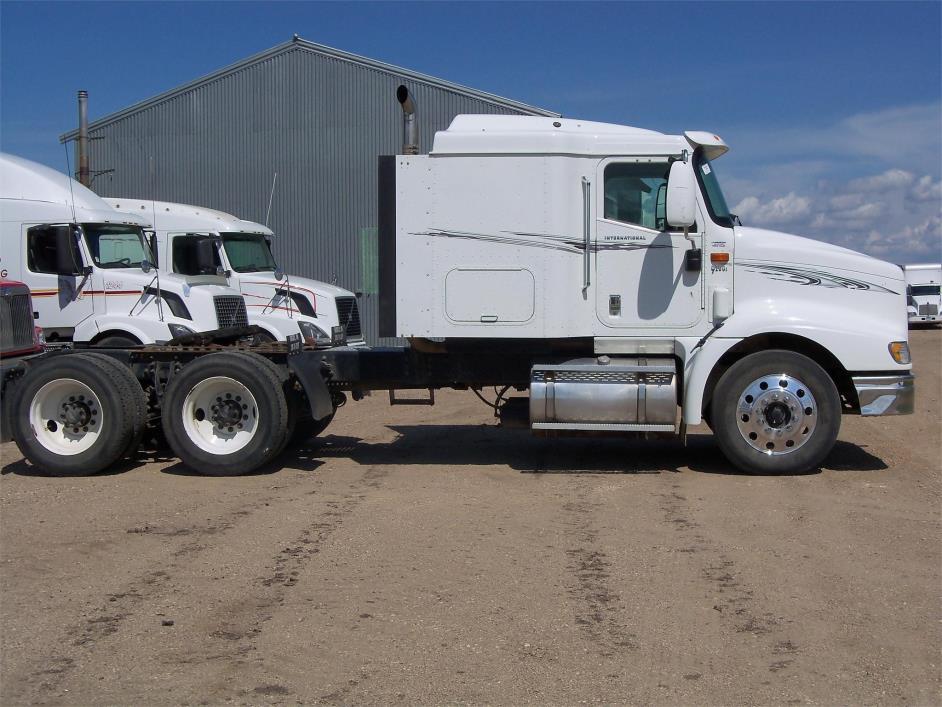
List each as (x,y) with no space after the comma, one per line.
(220,415)
(66,416)
(777,414)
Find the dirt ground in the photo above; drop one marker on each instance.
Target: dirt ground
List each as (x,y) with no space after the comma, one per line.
(423,555)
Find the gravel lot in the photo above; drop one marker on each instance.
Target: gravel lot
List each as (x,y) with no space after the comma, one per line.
(423,555)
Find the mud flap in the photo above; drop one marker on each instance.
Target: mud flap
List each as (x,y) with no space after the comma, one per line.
(314,387)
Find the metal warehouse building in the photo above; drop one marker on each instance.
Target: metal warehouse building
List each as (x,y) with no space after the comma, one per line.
(317,116)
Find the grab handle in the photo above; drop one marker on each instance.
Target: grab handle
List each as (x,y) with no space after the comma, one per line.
(586,232)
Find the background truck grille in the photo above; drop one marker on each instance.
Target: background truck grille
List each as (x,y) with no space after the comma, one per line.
(349,316)
(926,310)
(230,311)
(16,323)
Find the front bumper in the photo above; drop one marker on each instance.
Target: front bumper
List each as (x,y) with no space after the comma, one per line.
(886,395)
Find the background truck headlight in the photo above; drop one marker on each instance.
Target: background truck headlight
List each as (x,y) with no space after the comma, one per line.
(310,332)
(177,330)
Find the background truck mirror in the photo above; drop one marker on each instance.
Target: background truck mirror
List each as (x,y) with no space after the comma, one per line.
(681,196)
(68,260)
(206,256)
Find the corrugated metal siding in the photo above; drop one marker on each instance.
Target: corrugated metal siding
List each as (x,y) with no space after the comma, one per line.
(318,121)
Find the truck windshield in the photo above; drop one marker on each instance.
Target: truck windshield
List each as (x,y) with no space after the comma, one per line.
(923,290)
(248,252)
(716,202)
(115,246)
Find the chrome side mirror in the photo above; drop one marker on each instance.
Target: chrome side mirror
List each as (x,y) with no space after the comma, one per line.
(146,265)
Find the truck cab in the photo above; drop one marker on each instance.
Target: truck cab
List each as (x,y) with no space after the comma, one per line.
(280,304)
(89,267)
(923,283)
(614,246)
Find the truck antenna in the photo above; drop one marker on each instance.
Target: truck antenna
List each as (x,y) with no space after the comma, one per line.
(68,168)
(271,197)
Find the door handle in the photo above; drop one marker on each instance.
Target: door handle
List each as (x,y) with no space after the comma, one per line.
(586,232)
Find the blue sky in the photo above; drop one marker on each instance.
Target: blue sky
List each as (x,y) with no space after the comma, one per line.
(832,110)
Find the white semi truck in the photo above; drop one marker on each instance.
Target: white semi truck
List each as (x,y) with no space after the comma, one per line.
(88,268)
(923,283)
(278,303)
(593,268)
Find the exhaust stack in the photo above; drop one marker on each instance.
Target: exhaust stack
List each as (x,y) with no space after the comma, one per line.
(81,147)
(410,129)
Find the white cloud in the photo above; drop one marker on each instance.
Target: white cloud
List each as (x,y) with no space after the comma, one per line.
(921,240)
(787,209)
(926,190)
(890,179)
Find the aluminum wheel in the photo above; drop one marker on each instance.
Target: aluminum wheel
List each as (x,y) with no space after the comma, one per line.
(66,416)
(220,415)
(777,414)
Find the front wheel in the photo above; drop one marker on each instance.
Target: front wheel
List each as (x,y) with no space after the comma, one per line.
(776,412)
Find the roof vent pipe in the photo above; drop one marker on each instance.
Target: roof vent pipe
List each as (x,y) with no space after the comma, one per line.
(81,147)
(410,129)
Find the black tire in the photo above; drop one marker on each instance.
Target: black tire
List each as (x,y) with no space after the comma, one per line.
(789,434)
(116,341)
(132,392)
(114,421)
(268,419)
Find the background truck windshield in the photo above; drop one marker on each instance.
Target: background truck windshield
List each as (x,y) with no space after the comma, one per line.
(924,290)
(248,252)
(716,202)
(115,246)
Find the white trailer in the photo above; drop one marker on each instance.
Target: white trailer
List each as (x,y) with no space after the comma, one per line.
(278,303)
(594,268)
(924,286)
(88,268)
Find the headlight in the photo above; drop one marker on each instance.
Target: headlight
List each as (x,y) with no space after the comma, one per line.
(178,330)
(899,350)
(310,332)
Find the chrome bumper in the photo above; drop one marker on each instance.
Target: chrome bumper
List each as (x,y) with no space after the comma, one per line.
(886,395)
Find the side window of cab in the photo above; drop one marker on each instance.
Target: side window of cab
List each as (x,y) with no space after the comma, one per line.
(635,193)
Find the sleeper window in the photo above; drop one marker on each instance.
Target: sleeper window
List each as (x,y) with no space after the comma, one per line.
(636,193)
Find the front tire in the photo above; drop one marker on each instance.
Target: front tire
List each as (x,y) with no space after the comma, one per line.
(776,412)
(225,414)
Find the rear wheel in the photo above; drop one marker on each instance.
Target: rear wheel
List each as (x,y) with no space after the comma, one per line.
(225,413)
(776,412)
(132,393)
(70,417)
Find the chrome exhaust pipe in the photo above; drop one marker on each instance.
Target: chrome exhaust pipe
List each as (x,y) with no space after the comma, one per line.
(410,128)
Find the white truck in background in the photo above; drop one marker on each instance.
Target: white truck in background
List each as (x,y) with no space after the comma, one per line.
(924,287)
(278,303)
(88,267)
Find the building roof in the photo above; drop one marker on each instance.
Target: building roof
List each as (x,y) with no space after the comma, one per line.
(299,44)
(169,216)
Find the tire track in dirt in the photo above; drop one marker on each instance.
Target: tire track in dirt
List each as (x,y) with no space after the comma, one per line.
(238,626)
(735,599)
(107,617)
(598,606)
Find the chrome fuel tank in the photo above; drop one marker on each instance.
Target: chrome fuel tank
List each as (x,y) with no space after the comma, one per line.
(604,393)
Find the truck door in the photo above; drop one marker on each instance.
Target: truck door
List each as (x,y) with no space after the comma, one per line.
(62,301)
(642,278)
